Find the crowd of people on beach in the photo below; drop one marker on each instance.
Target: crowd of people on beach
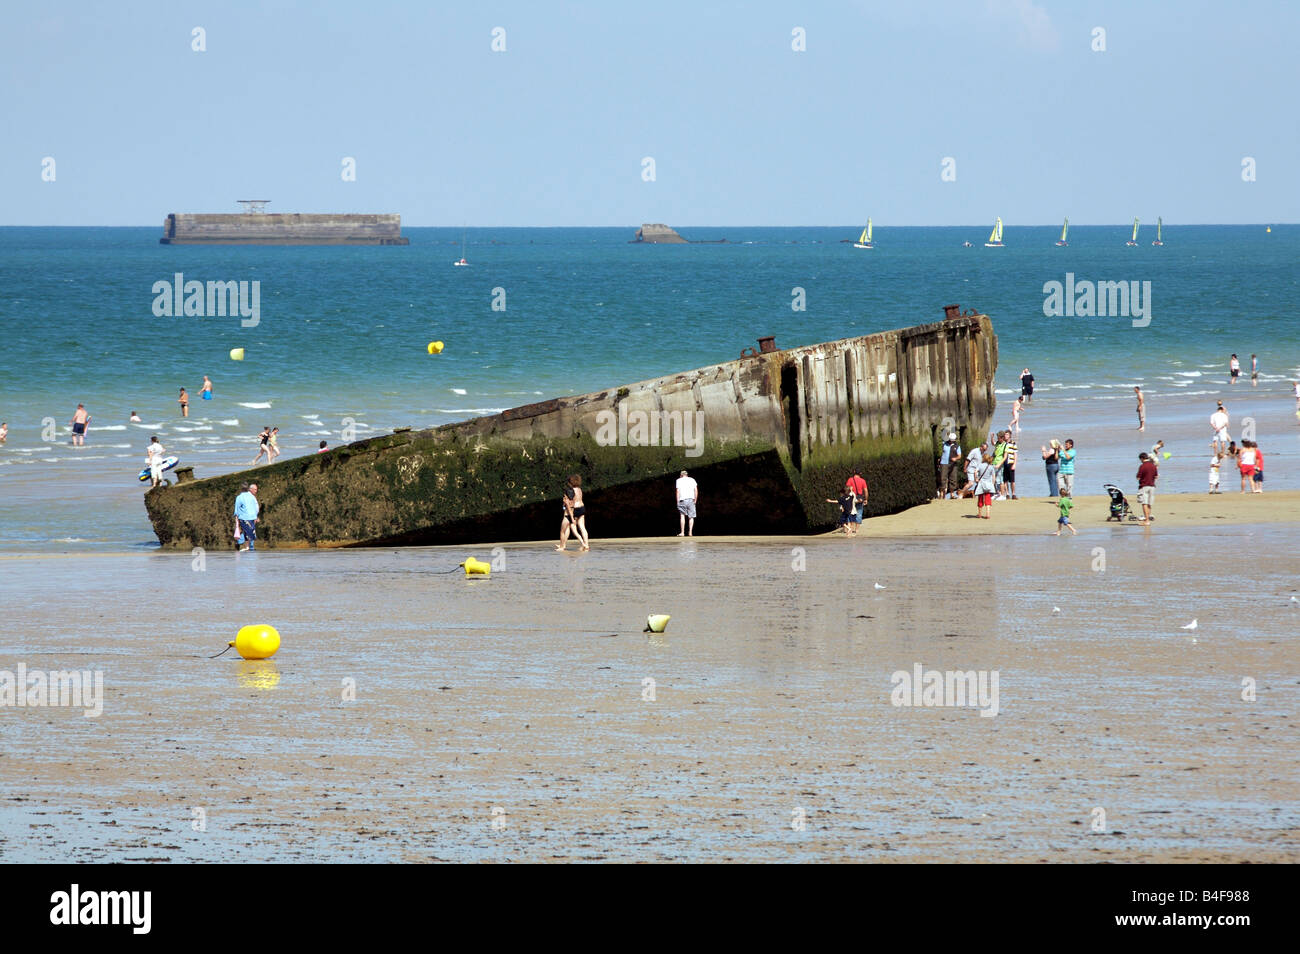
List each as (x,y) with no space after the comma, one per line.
(989,471)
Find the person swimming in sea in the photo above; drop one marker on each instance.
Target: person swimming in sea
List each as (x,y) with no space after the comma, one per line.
(206,392)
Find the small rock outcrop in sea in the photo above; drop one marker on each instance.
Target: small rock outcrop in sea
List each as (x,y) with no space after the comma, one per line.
(659,233)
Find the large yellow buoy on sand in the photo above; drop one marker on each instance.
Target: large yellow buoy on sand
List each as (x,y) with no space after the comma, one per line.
(475,567)
(236,354)
(257,642)
(656,624)
(435,347)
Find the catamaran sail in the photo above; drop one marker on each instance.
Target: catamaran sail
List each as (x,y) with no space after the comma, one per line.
(1159,226)
(995,239)
(1134,239)
(1065,229)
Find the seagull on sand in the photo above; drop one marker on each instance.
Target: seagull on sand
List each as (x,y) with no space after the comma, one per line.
(879,587)
(1056,610)
(1191,625)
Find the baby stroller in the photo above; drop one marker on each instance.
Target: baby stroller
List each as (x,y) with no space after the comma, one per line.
(1119,508)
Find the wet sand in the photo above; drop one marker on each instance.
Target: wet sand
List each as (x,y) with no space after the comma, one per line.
(1223,512)
(507,719)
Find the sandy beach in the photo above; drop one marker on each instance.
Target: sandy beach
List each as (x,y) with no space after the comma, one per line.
(510,718)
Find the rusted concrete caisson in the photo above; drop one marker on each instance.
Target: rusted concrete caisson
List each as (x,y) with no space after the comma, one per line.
(769,437)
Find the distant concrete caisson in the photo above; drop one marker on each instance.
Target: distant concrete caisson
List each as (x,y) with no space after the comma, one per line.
(183,228)
(769,437)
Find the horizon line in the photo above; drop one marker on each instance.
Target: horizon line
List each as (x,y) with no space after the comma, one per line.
(851,225)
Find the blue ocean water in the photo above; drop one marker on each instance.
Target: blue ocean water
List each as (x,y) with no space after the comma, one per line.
(342,331)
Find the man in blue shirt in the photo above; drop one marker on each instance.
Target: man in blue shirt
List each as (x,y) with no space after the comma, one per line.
(246,510)
(1066,476)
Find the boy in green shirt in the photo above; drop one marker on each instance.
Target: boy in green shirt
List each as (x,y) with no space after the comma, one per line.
(1064,521)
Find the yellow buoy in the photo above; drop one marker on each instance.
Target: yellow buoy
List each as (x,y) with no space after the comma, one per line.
(656,624)
(435,347)
(475,567)
(236,354)
(257,642)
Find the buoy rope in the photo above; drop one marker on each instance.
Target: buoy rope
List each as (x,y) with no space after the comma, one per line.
(224,651)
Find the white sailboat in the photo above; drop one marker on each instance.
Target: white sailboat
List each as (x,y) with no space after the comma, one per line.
(864,240)
(1061,242)
(995,239)
(463,260)
(1159,224)
(1134,239)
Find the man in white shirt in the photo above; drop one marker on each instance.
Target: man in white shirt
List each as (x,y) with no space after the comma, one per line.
(688,492)
(1219,422)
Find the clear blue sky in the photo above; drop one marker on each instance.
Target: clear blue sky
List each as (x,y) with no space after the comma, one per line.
(743,130)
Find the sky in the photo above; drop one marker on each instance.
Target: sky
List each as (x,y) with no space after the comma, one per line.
(741,127)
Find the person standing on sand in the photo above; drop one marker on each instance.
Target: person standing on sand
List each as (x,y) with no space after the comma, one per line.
(1009,468)
(974,460)
(1234,369)
(574,515)
(80,424)
(1219,424)
(986,483)
(184,402)
(1246,464)
(1052,461)
(999,457)
(1146,478)
(1142,409)
(246,511)
(1067,467)
(1215,459)
(949,467)
(1026,386)
(858,484)
(688,495)
(1258,481)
